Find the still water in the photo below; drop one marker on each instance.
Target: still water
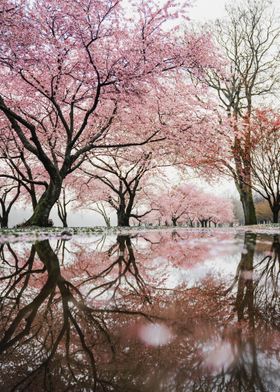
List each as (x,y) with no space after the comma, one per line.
(151,312)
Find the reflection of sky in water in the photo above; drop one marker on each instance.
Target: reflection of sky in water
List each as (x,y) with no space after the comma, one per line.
(222,260)
(219,266)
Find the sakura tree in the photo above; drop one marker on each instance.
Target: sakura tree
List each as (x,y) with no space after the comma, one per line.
(121,180)
(9,194)
(67,197)
(96,201)
(176,205)
(76,76)
(21,167)
(188,204)
(216,210)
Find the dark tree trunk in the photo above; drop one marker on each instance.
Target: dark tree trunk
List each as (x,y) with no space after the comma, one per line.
(123,219)
(43,208)
(62,208)
(243,182)
(174,221)
(123,210)
(247,201)
(275,212)
(64,222)
(4,220)
(203,223)
(62,216)
(33,200)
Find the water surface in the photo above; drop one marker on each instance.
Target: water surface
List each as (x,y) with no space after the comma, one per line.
(159,311)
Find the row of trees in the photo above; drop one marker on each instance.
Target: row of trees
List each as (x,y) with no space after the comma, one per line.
(94,103)
(188,204)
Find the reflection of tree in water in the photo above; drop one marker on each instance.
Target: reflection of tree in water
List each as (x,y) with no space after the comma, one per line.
(122,271)
(257,309)
(267,284)
(56,333)
(257,281)
(59,336)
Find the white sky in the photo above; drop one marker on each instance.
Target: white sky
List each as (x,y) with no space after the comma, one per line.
(203,10)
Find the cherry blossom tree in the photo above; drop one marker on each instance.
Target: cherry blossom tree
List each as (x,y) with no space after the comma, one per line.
(21,167)
(9,194)
(93,198)
(176,205)
(100,208)
(63,203)
(216,210)
(77,77)
(124,180)
(125,174)
(189,204)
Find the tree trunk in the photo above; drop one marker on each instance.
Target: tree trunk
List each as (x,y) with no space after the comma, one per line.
(174,221)
(203,222)
(275,212)
(42,211)
(249,211)
(62,216)
(4,220)
(33,201)
(64,222)
(123,219)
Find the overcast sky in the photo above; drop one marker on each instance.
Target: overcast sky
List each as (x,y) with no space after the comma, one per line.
(203,10)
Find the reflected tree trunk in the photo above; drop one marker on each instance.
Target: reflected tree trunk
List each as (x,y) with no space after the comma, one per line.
(245,286)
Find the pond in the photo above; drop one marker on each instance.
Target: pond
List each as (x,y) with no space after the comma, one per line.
(149,312)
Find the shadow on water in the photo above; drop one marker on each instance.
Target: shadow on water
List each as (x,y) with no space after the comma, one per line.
(131,317)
